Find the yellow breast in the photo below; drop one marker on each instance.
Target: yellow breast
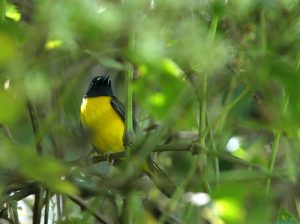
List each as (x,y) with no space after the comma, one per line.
(102,123)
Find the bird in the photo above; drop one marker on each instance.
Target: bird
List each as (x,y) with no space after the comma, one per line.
(102,116)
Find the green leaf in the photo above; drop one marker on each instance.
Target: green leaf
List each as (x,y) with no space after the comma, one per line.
(13,13)
(12,107)
(46,170)
(111,63)
(8,48)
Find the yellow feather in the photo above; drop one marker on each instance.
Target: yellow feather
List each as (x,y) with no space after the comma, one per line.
(103,124)
(106,130)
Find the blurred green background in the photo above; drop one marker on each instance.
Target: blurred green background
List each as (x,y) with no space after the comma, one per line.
(218,79)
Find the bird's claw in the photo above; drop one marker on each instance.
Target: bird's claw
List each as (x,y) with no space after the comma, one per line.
(109,160)
(195,147)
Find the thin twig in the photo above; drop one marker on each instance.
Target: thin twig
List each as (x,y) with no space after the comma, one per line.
(47,202)
(129,134)
(37,207)
(274,149)
(38,199)
(35,127)
(7,132)
(14,211)
(79,201)
(126,215)
(58,207)
(225,111)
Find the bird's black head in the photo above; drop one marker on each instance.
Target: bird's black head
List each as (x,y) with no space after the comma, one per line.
(100,86)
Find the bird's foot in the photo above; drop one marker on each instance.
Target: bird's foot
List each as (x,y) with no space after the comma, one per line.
(195,147)
(109,160)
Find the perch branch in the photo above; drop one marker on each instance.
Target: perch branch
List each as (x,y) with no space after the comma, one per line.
(194,149)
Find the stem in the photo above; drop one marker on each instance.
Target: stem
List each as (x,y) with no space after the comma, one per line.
(235,176)
(126,215)
(2,10)
(129,134)
(47,202)
(58,207)
(202,111)
(35,127)
(216,163)
(298,62)
(14,211)
(81,203)
(203,115)
(37,207)
(273,156)
(213,28)
(219,127)
(224,112)
(202,157)
(38,199)
(275,144)
(203,93)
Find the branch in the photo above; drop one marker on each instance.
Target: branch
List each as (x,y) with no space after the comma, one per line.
(158,212)
(37,206)
(59,206)
(35,127)
(129,134)
(275,143)
(47,202)
(119,155)
(81,203)
(31,189)
(193,148)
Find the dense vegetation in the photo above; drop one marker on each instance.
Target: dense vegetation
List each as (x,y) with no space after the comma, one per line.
(215,89)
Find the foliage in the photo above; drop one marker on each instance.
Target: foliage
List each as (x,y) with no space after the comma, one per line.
(206,74)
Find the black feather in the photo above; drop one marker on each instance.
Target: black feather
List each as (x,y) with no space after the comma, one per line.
(99,86)
(120,109)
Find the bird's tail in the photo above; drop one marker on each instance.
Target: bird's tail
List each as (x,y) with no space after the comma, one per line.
(160,178)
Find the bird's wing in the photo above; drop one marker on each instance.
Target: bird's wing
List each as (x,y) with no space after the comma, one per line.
(120,109)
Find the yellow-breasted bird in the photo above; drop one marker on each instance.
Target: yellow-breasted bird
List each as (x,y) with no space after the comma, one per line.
(103,116)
